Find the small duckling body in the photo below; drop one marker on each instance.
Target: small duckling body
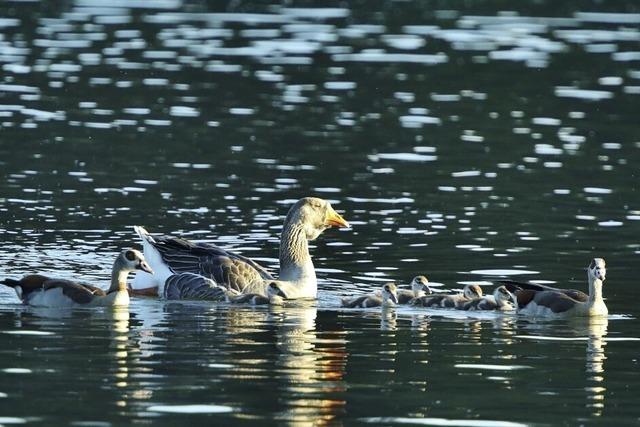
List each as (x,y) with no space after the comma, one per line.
(469,293)
(419,288)
(388,298)
(500,300)
(275,296)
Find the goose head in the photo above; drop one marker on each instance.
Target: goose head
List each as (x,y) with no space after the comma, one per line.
(503,296)
(472,291)
(389,294)
(420,286)
(597,269)
(314,215)
(132,259)
(275,292)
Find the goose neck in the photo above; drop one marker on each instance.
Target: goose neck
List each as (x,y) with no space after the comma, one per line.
(295,261)
(118,277)
(595,290)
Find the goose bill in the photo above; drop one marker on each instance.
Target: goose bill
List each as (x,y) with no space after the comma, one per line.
(393,298)
(145,267)
(334,219)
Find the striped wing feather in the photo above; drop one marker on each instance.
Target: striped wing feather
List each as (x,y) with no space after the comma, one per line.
(192,286)
(225,268)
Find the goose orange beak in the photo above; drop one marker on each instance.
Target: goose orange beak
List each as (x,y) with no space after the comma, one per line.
(335,220)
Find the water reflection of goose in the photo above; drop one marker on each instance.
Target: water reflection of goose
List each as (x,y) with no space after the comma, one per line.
(307,368)
(388,297)
(501,300)
(469,292)
(169,256)
(388,319)
(597,330)
(592,330)
(42,291)
(545,301)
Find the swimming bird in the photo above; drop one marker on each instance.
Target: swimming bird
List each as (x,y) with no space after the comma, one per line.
(469,292)
(389,298)
(419,288)
(275,296)
(545,301)
(171,256)
(42,291)
(501,300)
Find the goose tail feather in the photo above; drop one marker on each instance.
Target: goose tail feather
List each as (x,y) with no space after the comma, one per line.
(12,283)
(161,270)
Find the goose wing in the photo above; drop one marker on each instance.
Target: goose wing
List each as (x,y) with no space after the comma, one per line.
(77,292)
(193,286)
(516,287)
(558,302)
(225,268)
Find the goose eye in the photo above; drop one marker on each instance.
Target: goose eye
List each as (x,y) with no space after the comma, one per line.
(130,255)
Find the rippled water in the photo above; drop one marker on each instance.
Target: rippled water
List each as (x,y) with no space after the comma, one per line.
(466,145)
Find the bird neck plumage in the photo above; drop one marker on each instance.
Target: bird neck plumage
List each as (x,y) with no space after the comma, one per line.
(295,261)
(118,277)
(595,290)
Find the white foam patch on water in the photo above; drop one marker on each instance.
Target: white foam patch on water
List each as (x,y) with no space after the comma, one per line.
(439,58)
(407,157)
(403,41)
(550,338)
(589,95)
(610,223)
(503,272)
(17,371)
(464,174)
(12,420)
(597,190)
(191,409)
(27,332)
(415,121)
(441,422)
(486,367)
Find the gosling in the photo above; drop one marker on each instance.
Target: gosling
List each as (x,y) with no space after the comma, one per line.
(419,288)
(501,300)
(469,293)
(388,298)
(275,296)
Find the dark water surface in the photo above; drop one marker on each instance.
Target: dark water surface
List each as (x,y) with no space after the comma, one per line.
(464,144)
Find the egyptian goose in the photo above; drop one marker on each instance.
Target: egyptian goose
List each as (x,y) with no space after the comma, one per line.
(42,291)
(545,301)
(168,256)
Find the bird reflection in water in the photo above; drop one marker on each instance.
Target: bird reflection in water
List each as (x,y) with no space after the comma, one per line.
(595,357)
(312,369)
(121,352)
(388,319)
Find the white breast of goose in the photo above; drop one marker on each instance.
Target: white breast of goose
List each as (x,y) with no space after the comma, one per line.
(119,298)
